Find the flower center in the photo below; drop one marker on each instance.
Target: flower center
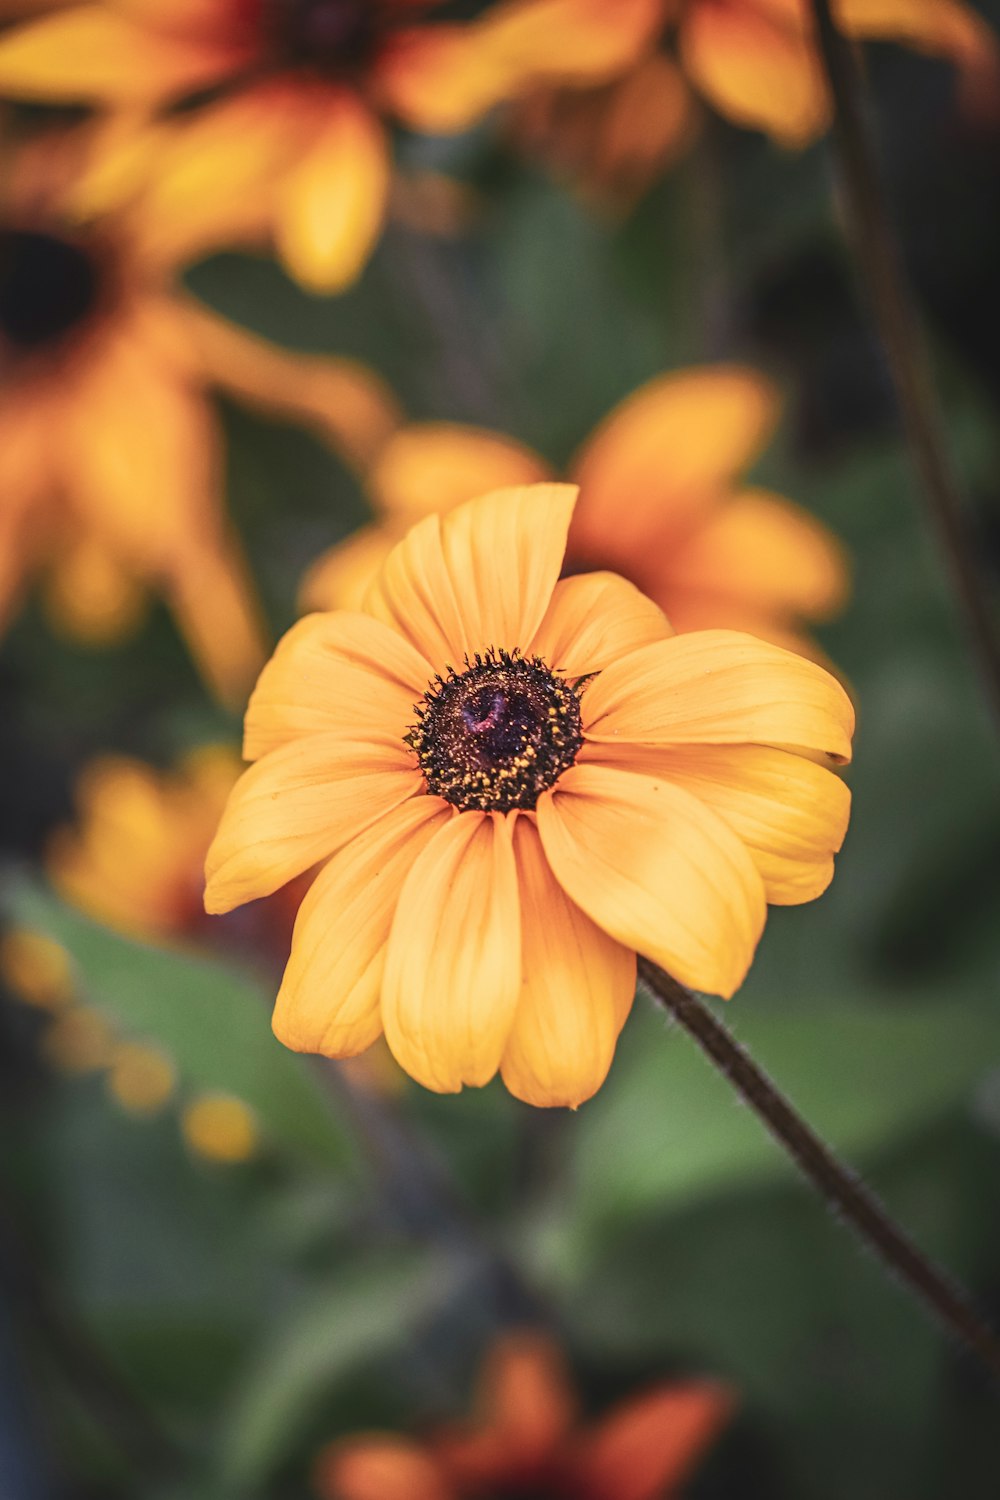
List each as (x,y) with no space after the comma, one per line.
(339,37)
(497,735)
(48,287)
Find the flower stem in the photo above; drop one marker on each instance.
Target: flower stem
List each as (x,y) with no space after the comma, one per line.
(844,1192)
(881,265)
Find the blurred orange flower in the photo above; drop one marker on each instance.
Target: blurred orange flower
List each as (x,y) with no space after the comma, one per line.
(288,138)
(662,504)
(110,451)
(528,1441)
(515,783)
(754,61)
(135,856)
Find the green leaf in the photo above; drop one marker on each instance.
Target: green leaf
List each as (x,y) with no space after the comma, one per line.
(368,1311)
(211,1020)
(668,1130)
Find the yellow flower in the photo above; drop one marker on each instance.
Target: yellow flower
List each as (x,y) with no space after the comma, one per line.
(289,138)
(529,1440)
(110,450)
(134,858)
(754,61)
(662,504)
(221,1128)
(515,783)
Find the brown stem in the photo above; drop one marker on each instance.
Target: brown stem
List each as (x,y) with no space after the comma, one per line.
(881,265)
(838,1185)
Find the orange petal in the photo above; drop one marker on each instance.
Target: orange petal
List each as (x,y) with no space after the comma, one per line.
(211,594)
(593,620)
(379,1468)
(342,577)
(329,996)
(525,1406)
(332,202)
(297,806)
(336,673)
(720,687)
(88,54)
(664,456)
(453,969)
(947,28)
(431,466)
(350,405)
(791,813)
(577,986)
(658,870)
(650,1445)
(762,550)
(755,70)
(480,576)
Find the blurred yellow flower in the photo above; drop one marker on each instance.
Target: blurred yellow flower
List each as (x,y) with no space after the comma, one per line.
(110,451)
(36,968)
(288,139)
(220,1128)
(516,783)
(754,61)
(662,504)
(141,1077)
(135,857)
(528,1440)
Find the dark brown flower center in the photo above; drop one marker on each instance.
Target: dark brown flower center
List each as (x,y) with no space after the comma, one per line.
(337,37)
(48,288)
(497,735)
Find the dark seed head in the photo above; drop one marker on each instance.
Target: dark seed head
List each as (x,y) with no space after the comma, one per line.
(337,37)
(497,735)
(48,288)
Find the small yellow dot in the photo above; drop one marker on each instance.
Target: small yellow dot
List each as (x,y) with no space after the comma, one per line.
(220,1127)
(141,1078)
(36,968)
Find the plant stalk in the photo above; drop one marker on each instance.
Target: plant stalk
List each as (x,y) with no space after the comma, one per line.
(881,265)
(842,1190)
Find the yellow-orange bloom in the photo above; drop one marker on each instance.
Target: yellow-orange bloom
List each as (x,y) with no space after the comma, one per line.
(110,450)
(754,61)
(528,1440)
(662,503)
(515,783)
(288,138)
(134,859)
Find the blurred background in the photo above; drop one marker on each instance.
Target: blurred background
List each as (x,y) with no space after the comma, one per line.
(217,1257)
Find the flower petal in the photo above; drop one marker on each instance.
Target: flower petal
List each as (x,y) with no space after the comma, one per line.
(664,455)
(762,549)
(297,806)
(352,407)
(432,466)
(720,687)
(379,1468)
(755,69)
(649,1445)
(658,870)
(332,201)
(479,576)
(577,986)
(791,813)
(342,577)
(453,970)
(946,28)
(593,620)
(338,673)
(329,996)
(88,54)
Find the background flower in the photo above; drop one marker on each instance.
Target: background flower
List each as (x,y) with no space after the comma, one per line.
(662,504)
